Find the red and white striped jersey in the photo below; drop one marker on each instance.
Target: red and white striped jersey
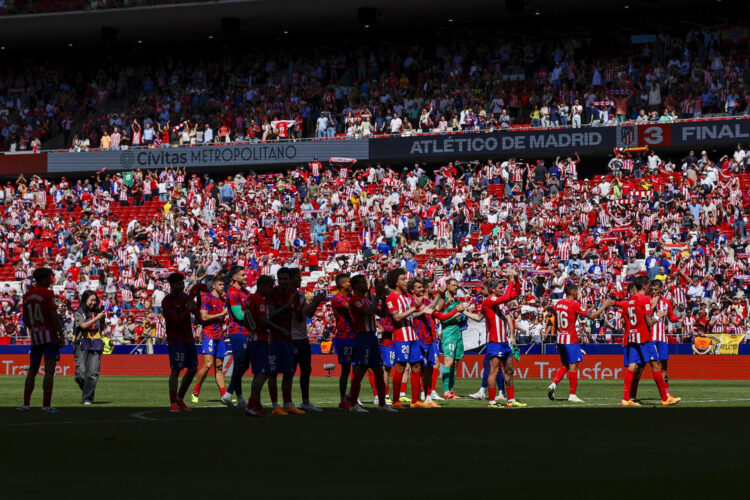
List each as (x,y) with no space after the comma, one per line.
(290,233)
(688,325)
(497,328)
(679,295)
(563,249)
(161,327)
(659,329)
(403,331)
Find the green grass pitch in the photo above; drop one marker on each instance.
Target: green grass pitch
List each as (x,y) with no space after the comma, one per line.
(128,445)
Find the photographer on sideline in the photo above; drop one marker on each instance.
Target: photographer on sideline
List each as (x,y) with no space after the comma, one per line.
(89,324)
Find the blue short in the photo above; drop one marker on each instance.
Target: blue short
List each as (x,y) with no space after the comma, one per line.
(50,350)
(345,350)
(662,348)
(640,354)
(367,350)
(215,347)
(570,353)
(498,350)
(258,354)
(183,356)
(238,342)
(430,352)
(281,359)
(388,353)
(408,352)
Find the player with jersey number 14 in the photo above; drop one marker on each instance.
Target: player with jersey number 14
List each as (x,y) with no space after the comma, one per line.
(46,331)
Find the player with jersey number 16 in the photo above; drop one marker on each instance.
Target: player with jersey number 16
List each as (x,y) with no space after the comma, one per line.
(46,331)
(567,312)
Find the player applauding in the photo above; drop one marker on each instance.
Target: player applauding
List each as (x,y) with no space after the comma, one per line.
(258,349)
(402,311)
(499,336)
(46,331)
(178,309)
(567,311)
(213,311)
(641,349)
(343,341)
(366,348)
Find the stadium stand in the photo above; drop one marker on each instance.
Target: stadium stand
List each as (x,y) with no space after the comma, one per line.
(119,234)
(285,91)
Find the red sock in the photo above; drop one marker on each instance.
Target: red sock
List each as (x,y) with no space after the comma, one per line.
(434,378)
(273,391)
(286,393)
(382,390)
(559,375)
(371,378)
(197,389)
(26,397)
(356,386)
(403,388)
(659,379)
(222,391)
(415,387)
(628,383)
(492,393)
(397,383)
(47,398)
(573,379)
(511,390)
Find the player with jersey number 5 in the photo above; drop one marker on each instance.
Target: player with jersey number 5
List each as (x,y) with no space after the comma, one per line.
(178,310)
(641,350)
(567,312)
(46,331)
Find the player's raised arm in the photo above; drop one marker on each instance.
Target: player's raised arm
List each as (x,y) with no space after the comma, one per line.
(595,314)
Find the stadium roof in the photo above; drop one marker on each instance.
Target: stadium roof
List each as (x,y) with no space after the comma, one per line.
(328,18)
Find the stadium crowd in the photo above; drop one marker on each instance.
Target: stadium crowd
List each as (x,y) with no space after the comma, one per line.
(682,222)
(495,82)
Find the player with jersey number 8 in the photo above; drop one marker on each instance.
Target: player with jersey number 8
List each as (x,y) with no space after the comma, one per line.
(46,331)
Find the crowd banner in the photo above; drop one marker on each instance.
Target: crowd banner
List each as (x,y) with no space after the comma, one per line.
(724,343)
(595,367)
(269,153)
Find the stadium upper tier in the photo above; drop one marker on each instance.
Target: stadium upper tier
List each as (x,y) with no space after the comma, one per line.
(217,94)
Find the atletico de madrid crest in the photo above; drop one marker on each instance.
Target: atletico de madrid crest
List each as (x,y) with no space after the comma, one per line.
(626,136)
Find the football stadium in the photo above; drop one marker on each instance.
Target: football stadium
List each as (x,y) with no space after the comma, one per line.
(286,250)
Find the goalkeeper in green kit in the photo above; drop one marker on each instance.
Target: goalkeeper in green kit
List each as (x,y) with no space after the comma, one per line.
(451,338)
